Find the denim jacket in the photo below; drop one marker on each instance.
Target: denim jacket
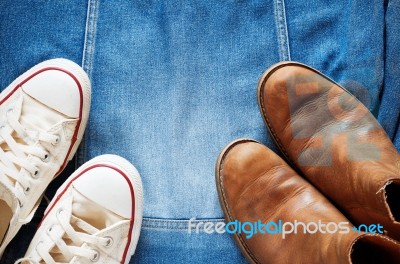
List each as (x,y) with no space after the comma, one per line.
(174,81)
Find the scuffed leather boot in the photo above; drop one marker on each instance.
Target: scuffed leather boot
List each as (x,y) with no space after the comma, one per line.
(335,141)
(256,187)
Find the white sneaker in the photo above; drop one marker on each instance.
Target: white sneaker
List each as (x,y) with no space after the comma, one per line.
(43,115)
(95,216)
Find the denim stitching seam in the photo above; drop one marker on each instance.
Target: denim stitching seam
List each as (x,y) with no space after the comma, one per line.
(87,64)
(282,31)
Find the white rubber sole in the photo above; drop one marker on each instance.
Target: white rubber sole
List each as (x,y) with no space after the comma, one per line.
(133,177)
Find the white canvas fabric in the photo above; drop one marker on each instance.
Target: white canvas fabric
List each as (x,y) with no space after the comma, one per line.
(95,216)
(43,115)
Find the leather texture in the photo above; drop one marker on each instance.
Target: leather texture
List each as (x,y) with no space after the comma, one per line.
(334,141)
(256,184)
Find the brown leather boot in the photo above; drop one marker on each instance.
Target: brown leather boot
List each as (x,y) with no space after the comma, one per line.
(257,186)
(335,142)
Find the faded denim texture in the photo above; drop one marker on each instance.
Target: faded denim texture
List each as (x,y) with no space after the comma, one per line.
(174,81)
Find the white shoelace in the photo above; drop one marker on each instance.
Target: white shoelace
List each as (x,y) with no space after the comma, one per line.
(75,241)
(17,170)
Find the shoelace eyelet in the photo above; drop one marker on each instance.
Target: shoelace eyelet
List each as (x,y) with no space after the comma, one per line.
(46,158)
(27,189)
(60,210)
(57,140)
(110,241)
(20,204)
(96,256)
(9,111)
(35,175)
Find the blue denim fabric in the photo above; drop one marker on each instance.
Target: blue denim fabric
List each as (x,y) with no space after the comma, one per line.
(175,81)
(389,112)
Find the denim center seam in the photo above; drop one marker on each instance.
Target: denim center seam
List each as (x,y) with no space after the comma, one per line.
(87,64)
(282,31)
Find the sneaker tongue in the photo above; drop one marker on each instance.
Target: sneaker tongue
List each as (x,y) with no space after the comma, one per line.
(87,217)
(8,208)
(92,213)
(37,116)
(8,196)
